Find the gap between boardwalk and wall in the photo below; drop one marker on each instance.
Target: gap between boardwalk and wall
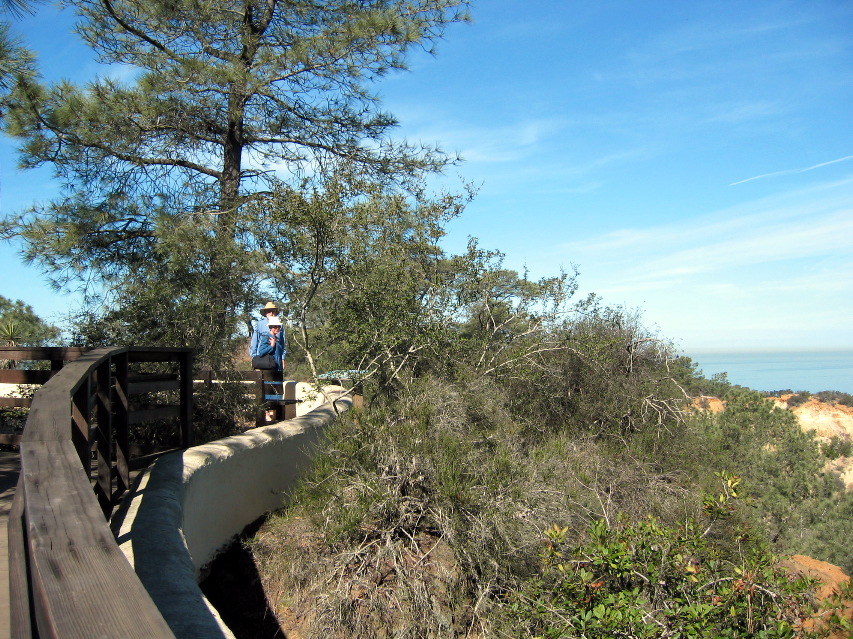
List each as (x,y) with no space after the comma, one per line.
(189,506)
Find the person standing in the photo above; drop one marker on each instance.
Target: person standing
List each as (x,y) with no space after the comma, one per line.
(273,345)
(260,327)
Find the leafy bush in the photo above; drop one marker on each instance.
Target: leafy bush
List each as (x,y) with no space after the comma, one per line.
(447,465)
(491,422)
(798,399)
(687,372)
(835,397)
(222,409)
(426,513)
(837,447)
(834,618)
(643,579)
(12,420)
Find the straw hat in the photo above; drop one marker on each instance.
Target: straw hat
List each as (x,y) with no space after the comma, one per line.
(270,306)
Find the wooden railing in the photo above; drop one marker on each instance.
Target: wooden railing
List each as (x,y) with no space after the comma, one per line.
(67,576)
(12,356)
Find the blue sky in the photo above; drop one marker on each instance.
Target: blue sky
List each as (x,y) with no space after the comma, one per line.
(693,160)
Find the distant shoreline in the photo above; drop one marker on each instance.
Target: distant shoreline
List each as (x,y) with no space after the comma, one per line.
(798,370)
(760,350)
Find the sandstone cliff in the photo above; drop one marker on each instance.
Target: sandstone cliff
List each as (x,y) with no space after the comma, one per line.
(831,582)
(828,421)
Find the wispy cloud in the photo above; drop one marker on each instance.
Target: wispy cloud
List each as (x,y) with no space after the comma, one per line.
(734,113)
(791,212)
(754,258)
(792,171)
(702,250)
(755,246)
(499,143)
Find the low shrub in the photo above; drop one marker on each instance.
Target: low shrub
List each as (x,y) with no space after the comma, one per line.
(837,447)
(835,397)
(798,399)
(643,579)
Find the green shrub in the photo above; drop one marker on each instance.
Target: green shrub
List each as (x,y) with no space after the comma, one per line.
(837,447)
(12,420)
(803,509)
(643,579)
(835,397)
(425,510)
(798,399)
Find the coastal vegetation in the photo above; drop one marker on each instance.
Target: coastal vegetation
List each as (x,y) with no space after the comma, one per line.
(163,174)
(577,495)
(828,397)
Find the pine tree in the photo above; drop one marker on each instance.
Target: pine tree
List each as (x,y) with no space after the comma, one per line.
(224,98)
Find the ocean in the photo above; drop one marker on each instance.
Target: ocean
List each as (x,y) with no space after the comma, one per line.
(811,371)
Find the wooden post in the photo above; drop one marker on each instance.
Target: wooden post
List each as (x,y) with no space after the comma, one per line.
(81,414)
(289,397)
(186,409)
(358,394)
(20,589)
(260,403)
(121,408)
(104,437)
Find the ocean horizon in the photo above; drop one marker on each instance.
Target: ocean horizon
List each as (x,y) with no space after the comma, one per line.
(812,371)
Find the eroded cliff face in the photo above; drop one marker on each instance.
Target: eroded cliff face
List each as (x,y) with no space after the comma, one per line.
(830,582)
(829,421)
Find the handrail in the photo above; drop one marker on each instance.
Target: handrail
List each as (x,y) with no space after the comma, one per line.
(68,577)
(55,355)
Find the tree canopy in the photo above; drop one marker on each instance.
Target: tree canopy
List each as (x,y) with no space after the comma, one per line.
(225,101)
(20,326)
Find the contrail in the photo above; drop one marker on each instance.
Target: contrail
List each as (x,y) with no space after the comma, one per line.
(789,171)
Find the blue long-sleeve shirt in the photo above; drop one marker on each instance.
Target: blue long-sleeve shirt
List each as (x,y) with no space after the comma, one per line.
(260,328)
(280,349)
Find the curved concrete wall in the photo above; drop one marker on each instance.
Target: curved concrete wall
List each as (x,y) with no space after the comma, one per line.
(188,506)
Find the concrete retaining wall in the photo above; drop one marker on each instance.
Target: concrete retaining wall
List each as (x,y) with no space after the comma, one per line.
(188,506)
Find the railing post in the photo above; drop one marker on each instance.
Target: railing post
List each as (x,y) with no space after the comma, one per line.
(67,576)
(289,395)
(81,415)
(186,410)
(358,394)
(260,403)
(121,408)
(21,617)
(103,487)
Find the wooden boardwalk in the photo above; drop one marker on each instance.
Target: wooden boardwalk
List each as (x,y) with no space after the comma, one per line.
(9,467)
